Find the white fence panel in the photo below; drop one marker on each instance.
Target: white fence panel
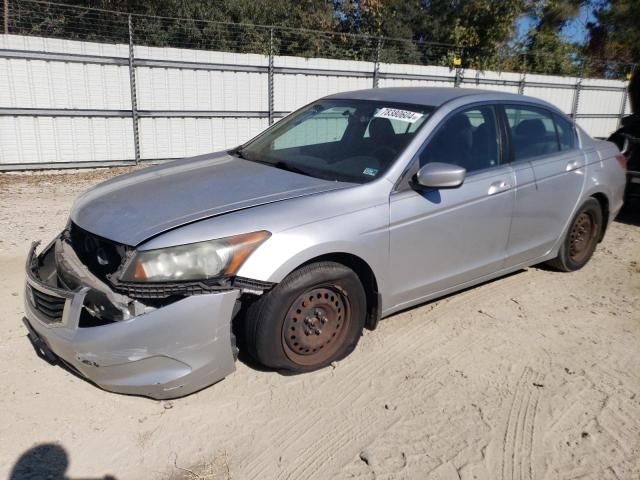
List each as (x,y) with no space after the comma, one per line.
(194,101)
(604,102)
(39,84)
(292,91)
(599,127)
(601,101)
(560,97)
(194,89)
(447,75)
(486,80)
(162,138)
(40,140)
(44,84)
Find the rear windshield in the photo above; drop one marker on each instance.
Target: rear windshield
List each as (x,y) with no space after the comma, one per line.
(344,140)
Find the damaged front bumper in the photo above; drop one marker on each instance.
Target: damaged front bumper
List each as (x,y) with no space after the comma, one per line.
(158,352)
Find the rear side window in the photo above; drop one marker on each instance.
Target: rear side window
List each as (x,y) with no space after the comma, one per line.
(566,133)
(533,132)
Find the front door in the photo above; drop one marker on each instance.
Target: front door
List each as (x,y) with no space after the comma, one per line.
(441,238)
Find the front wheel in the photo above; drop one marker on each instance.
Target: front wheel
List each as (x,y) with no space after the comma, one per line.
(581,239)
(312,318)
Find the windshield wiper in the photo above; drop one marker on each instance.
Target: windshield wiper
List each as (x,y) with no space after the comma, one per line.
(238,153)
(278,164)
(290,168)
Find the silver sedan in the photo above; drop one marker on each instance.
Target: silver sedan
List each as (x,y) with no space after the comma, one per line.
(352,208)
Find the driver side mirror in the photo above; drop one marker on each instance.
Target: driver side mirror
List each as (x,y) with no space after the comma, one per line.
(439,175)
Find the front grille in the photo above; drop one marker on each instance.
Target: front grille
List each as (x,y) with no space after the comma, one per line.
(49,306)
(101,256)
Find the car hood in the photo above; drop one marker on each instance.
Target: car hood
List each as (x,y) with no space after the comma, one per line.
(132,208)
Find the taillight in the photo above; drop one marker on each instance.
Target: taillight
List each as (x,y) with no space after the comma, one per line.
(622,160)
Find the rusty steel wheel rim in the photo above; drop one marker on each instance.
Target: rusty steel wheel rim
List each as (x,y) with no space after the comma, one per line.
(316,325)
(581,237)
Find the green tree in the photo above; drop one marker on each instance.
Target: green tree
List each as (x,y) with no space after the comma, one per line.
(202,24)
(481,27)
(546,50)
(614,38)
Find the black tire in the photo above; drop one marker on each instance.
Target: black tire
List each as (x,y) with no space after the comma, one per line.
(281,327)
(581,238)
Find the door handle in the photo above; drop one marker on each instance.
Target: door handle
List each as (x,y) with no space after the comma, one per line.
(499,186)
(573,165)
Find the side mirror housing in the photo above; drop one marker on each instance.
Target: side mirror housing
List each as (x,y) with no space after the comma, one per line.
(439,175)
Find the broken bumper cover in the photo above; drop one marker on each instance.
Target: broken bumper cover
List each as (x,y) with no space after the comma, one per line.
(161,353)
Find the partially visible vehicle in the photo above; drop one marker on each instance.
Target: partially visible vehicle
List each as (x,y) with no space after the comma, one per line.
(356,206)
(627,138)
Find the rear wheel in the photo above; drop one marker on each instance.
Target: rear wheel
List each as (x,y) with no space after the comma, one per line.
(312,318)
(581,239)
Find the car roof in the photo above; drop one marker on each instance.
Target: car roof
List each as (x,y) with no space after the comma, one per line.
(431,96)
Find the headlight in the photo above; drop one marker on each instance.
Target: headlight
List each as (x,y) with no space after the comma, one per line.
(195,261)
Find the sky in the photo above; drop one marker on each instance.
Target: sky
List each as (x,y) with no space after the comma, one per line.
(574,31)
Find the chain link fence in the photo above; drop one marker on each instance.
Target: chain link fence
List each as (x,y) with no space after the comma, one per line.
(58,20)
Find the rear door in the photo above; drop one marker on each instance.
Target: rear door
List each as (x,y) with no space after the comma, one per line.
(441,238)
(549,171)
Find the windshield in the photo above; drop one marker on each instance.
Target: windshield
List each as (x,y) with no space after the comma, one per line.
(344,140)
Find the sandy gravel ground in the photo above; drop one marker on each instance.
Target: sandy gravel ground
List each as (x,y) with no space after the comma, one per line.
(533,376)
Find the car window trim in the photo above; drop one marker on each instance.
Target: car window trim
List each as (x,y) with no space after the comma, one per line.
(506,152)
(557,130)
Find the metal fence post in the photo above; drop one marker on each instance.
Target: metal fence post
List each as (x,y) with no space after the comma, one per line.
(6,17)
(134,100)
(457,79)
(623,106)
(576,95)
(270,76)
(523,78)
(376,64)
(625,96)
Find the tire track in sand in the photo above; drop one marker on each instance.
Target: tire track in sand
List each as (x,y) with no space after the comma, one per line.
(519,431)
(401,390)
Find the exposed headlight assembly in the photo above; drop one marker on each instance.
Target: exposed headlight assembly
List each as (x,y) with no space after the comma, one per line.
(194,261)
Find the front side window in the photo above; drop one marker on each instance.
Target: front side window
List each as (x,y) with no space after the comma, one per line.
(344,140)
(468,139)
(533,132)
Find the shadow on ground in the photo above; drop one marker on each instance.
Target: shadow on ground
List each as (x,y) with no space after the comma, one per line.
(45,461)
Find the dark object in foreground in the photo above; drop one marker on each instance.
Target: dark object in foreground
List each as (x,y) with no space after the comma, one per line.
(627,138)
